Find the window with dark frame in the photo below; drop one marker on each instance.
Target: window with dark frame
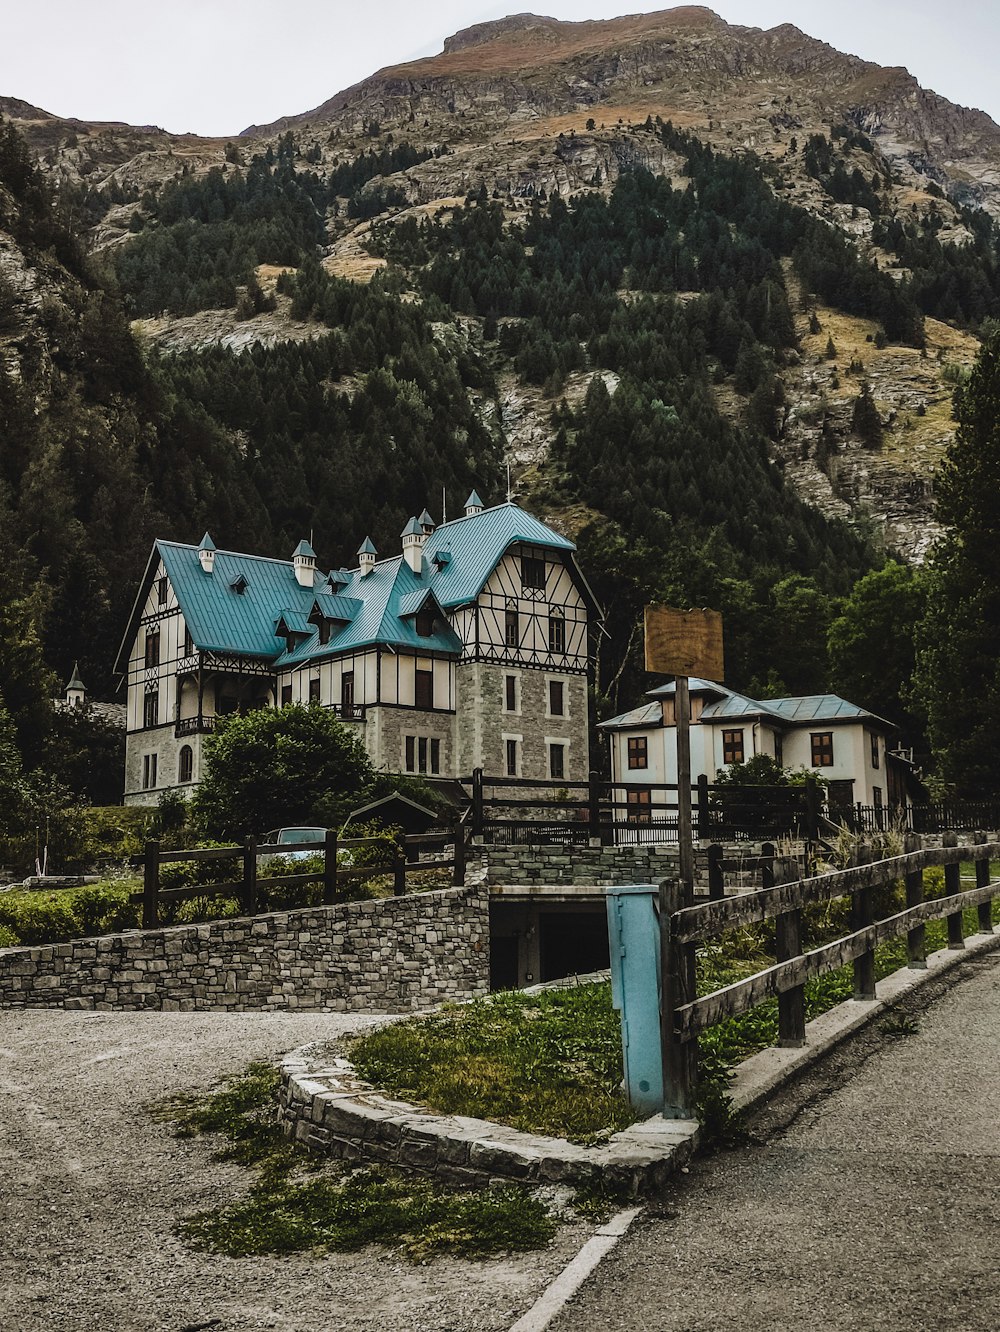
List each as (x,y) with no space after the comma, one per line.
(779,750)
(149,771)
(732,746)
(422,753)
(423,621)
(161,591)
(510,693)
(557,700)
(557,632)
(511,755)
(325,630)
(151,709)
(423,689)
(435,756)
(822,749)
(511,628)
(411,747)
(638,751)
(314,691)
(188,643)
(347,691)
(533,572)
(185,764)
(286,695)
(153,648)
(638,802)
(875,759)
(557,761)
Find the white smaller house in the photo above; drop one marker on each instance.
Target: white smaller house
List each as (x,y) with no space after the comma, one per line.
(843,743)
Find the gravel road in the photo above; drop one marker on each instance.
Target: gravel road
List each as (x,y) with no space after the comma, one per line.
(90,1186)
(867,1200)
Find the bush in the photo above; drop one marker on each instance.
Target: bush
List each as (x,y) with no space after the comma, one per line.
(8,939)
(73,913)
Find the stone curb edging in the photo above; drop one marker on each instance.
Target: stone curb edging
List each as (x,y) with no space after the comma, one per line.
(327,1108)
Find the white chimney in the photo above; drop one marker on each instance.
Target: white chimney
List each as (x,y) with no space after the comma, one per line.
(206,553)
(473,505)
(366,557)
(304,564)
(414,537)
(76,693)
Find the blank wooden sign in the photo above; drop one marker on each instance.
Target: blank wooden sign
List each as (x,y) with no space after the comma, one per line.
(684,642)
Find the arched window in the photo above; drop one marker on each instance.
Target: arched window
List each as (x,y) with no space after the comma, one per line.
(185,766)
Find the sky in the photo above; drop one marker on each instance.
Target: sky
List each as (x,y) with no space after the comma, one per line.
(216,66)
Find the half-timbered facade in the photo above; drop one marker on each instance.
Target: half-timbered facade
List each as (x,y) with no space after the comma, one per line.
(470,648)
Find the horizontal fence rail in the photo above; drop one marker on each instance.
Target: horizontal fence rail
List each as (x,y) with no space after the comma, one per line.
(687,1014)
(402,858)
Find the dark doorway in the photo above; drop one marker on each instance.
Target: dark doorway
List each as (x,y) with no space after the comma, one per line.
(503,962)
(573,943)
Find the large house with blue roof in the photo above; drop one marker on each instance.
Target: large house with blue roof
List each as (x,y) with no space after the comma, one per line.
(846,745)
(469,648)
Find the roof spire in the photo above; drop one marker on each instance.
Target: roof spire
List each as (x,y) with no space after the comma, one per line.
(206,553)
(76,692)
(366,556)
(473,505)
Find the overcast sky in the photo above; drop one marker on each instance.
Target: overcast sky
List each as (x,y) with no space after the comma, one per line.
(216,66)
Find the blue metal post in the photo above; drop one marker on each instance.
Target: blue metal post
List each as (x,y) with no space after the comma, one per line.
(634,937)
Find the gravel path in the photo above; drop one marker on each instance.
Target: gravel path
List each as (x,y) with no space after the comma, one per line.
(90,1186)
(868,1196)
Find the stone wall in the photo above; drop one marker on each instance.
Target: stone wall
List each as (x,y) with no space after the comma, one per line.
(398,955)
(598,865)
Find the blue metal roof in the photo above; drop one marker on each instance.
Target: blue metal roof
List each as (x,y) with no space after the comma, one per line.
(304,548)
(333,607)
(822,707)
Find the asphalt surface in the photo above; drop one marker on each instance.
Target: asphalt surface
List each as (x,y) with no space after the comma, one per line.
(866,1197)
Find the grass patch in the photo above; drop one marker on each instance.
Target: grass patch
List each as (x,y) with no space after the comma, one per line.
(547,1063)
(301,1202)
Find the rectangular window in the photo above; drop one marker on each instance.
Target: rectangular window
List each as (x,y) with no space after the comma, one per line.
(435,756)
(347,691)
(286,695)
(732,746)
(151,709)
(314,691)
(422,754)
(874,751)
(557,761)
(822,749)
(557,705)
(557,633)
(325,629)
(638,753)
(188,643)
(161,591)
(424,621)
(510,693)
(511,752)
(411,748)
(532,572)
(423,689)
(148,771)
(153,648)
(511,628)
(779,750)
(638,801)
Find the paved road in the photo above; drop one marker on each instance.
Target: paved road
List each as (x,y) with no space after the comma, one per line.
(91,1185)
(865,1205)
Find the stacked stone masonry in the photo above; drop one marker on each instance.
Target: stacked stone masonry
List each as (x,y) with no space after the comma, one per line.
(597,865)
(328,1109)
(391,956)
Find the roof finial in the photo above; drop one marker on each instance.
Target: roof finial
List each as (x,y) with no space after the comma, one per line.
(508,483)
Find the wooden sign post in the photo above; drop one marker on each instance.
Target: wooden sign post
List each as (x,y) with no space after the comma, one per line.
(681,644)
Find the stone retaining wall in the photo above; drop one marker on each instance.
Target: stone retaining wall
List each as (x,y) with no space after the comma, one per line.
(397,955)
(327,1108)
(598,865)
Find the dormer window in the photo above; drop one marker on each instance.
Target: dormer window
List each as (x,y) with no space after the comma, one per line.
(238,585)
(533,572)
(423,621)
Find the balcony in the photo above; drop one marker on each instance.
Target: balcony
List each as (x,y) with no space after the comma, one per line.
(193,726)
(348,712)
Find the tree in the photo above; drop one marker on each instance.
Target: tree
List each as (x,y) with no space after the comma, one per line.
(280,766)
(865,420)
(958,656)
(871,645)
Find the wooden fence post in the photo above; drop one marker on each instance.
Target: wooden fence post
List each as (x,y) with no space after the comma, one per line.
(330,867)
(477,802)
(953,884)
(458,874)
(680,1058)
(151,886)
(704,811)
(982,879)
(716,879)
(399,872)
(812,808)
(250,876)
(767,865)
(788,944)
(916,948)
(862,914)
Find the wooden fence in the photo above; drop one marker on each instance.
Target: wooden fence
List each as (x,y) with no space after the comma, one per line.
(685,1014)
(402,858)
